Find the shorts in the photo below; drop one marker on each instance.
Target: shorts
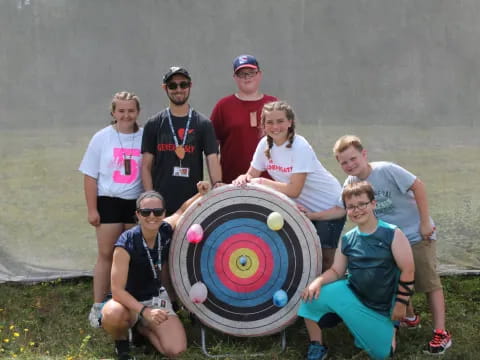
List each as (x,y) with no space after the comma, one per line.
(162,301)
(372,331)
(114,210)
(329,232)
(425,259)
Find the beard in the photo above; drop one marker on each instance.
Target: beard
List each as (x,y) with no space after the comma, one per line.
(178,101)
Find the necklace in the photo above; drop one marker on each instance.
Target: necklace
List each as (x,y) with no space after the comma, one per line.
(159,247)
(127,159)
(180,149)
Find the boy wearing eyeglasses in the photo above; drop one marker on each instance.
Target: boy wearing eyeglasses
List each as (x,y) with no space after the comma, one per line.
(236,118)
(402,200)
(376,291)
(174,142)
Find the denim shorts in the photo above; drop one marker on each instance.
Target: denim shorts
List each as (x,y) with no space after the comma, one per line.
(329,232)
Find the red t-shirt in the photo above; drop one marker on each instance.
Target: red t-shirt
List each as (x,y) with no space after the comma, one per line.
(238,138)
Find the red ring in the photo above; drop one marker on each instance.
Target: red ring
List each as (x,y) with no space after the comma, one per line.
(265,266)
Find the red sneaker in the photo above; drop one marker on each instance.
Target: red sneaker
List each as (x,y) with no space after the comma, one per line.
(440,342)
(411,324)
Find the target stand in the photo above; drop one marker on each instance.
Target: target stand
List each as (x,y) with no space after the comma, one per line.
(242,262)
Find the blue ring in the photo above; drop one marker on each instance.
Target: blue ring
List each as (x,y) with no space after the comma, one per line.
(216,239)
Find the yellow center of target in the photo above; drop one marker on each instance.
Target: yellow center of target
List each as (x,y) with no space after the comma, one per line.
(243,263)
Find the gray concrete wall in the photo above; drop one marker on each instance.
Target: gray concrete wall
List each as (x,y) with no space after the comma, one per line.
(337,61)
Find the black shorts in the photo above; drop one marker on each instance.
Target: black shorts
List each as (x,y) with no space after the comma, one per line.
(329,232)
(114,210)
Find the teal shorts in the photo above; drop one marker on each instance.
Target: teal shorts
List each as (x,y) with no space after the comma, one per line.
(372,331)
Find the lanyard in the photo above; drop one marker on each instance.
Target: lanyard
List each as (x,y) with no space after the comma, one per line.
(186,127)
(150,260)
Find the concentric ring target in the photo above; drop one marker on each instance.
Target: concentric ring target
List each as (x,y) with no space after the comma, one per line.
(242,261)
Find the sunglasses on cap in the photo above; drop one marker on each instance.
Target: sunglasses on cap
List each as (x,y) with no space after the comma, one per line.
(147,211)
(174,85)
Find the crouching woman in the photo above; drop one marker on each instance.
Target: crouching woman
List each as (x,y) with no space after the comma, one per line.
(139,270)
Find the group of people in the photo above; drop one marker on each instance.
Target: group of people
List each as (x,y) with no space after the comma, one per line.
(138,182)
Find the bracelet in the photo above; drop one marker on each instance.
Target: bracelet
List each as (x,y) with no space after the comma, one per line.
(140,314)
(403,301)
(217,182)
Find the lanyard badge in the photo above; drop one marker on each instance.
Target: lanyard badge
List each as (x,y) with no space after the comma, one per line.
(180,149)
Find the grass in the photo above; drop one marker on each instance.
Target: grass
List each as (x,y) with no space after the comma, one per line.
(49,321)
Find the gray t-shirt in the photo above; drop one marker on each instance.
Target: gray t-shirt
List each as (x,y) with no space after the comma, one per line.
(395,202)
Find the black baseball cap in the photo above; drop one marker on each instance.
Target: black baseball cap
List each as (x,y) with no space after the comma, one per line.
(174,70)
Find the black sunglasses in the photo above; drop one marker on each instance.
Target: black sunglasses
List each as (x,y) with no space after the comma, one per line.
(183,85)
(146,211)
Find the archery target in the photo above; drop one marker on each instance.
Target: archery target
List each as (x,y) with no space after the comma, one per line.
(242,261)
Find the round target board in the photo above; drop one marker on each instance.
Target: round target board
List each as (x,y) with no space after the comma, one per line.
(242,262)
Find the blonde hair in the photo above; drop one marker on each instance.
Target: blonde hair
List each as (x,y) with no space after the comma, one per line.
(345,142)
(287,109)
(125,95)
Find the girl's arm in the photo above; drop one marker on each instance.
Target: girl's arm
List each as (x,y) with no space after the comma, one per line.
(333,213)
(292,189)
(247,177)
(90,188)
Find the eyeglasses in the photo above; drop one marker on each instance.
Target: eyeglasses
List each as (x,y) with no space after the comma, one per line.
(246,74)
(360,206)
(172,85)
(146,211)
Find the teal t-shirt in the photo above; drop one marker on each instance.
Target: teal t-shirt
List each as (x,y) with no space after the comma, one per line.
(372,272)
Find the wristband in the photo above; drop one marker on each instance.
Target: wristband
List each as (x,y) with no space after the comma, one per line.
(403,301)
(140,314)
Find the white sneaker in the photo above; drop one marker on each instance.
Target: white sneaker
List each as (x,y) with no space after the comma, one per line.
(95,314)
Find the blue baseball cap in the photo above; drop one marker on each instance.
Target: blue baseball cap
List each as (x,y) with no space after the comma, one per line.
(245,61)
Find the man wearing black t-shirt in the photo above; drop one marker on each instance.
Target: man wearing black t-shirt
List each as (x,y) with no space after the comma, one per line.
(173,144)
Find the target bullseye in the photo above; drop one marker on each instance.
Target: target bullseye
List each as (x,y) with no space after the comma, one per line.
(243,262)
(231,237)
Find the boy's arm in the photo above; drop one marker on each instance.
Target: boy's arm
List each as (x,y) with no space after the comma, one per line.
(420,194)
(214,169)
(402,253)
